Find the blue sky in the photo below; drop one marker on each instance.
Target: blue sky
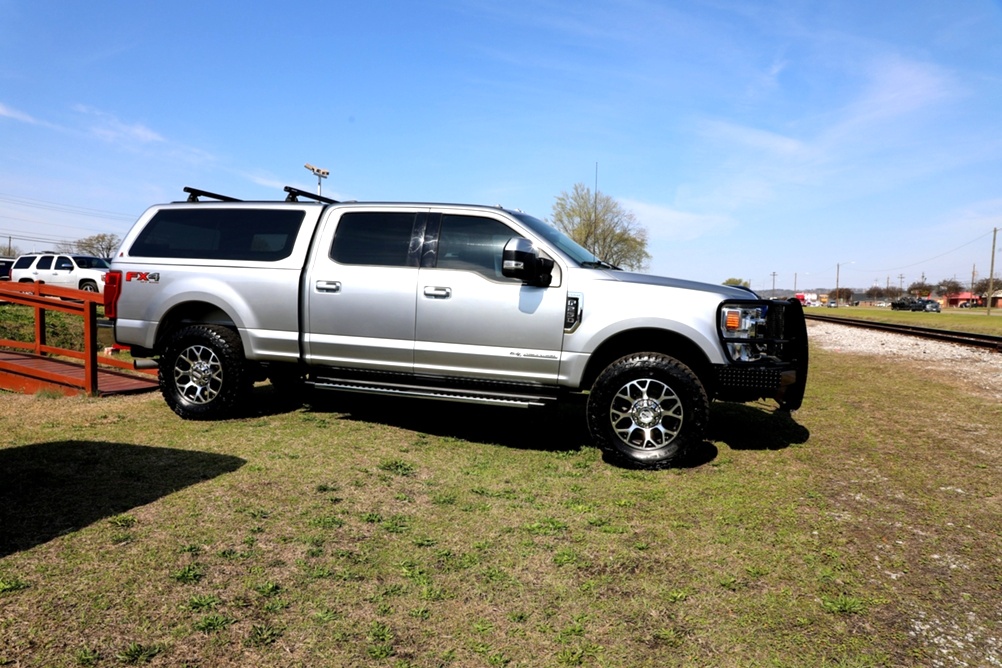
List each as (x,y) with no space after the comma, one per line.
(747,137)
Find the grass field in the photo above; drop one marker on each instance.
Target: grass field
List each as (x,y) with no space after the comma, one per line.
(864,531)
(962,320)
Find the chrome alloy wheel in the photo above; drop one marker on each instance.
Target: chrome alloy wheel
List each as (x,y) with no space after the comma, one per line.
(198,374)
(646,414)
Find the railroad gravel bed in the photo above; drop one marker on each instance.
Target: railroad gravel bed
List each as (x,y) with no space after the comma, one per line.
(981,370)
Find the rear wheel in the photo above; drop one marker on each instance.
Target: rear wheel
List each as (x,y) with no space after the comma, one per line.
(202,372)
(88,286)
(647,409)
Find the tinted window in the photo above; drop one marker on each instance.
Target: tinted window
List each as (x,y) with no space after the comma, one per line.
(44,262)
(63,263)
(264,235)
(88,262)
(374,238)
(24,261)
(475,244)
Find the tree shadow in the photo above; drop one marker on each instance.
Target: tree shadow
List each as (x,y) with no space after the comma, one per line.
(752,427)
(51,489)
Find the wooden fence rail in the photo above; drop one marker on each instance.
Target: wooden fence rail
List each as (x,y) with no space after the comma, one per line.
(43,298)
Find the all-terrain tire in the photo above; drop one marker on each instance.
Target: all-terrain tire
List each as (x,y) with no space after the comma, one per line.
(647,409)
(203,375)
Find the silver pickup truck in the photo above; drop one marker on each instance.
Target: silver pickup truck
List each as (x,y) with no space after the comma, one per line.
(439,301)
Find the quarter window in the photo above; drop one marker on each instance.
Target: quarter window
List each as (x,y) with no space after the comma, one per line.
(264,235)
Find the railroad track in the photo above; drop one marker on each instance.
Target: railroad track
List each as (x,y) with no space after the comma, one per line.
(963,338)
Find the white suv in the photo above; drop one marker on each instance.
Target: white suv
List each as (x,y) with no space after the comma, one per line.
(83,272)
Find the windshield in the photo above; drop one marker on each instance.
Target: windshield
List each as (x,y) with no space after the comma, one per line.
(88,262)
(564,243)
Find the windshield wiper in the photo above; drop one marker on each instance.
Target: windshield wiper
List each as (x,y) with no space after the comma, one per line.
(599,264)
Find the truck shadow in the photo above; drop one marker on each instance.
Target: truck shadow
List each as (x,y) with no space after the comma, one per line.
(561,428)
(52,489)
(754,427)
(558,429)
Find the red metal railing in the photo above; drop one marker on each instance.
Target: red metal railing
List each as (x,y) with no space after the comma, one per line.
(42,298)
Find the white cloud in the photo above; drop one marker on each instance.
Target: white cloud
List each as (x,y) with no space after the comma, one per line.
(113,130)
(14,114)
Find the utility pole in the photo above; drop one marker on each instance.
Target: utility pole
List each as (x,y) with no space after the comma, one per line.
(991,272)
(974,272)
(773,284)
(901,282)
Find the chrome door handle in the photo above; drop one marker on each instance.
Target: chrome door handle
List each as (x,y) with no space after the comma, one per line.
(437,293)
(328,286)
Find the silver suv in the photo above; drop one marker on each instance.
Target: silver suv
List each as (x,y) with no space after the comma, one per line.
(83,272)
(439,301)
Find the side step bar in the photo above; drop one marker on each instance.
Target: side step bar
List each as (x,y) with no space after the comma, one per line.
(517,399)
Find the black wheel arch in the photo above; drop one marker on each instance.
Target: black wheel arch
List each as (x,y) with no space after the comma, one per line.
(191,313)
(651,340)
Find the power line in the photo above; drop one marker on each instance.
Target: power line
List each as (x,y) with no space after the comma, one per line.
(64,208)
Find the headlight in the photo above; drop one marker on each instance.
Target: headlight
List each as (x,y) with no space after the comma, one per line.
(741,327)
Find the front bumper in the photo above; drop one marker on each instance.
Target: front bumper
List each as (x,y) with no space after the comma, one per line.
(781,372)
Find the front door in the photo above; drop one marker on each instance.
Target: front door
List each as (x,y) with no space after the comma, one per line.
(472,322)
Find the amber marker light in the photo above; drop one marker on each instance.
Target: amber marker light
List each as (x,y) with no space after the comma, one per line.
(733,320)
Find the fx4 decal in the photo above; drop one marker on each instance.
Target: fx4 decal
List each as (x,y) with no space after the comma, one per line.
(142,276)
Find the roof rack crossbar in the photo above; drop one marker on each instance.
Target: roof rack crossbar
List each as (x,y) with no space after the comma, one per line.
(195,193)
(296,193)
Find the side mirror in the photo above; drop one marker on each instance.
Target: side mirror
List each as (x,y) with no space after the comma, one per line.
(520,260)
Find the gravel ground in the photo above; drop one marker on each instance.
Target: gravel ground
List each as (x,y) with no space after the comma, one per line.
(978,369)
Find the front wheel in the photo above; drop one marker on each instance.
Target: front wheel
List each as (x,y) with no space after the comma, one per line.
(647,409)
(88,286)
(202,372)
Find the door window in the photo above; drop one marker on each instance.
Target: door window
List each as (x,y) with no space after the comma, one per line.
(473,243)
(44,262)
(377,238)
(63,263)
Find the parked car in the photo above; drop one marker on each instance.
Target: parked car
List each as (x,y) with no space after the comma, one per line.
(83,272)
(5,264)
(926,305)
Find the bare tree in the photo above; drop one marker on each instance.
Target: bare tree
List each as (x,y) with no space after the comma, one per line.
(950,286)
(599,223)
(99,245)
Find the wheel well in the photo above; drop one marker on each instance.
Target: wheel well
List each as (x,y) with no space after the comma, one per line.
(648,340)
(190,313)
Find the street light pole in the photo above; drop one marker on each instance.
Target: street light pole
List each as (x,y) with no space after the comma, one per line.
(320,174)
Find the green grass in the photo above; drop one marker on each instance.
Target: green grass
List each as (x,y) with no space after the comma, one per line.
(864,531)
(955,319)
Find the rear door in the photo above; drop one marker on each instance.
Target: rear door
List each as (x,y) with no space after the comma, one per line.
(360,291)
(472,322)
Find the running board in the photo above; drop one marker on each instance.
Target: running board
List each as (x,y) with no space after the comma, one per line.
(517,399)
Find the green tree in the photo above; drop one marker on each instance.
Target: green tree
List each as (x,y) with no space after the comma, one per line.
(738,281)
(601,224)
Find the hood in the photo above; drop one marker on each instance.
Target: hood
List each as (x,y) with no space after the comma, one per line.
(725,291)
